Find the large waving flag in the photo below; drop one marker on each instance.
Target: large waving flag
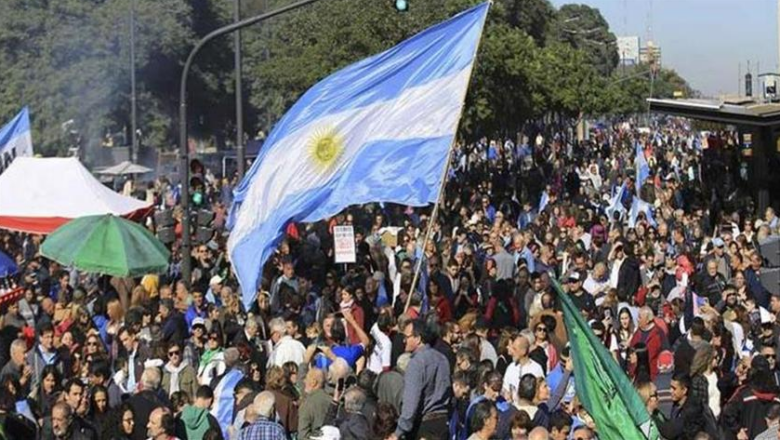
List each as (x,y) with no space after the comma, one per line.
(603,388)
(15,139)
(377,130)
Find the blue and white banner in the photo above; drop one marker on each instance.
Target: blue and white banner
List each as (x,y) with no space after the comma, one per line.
(637,206)
(377,130)
(225,400)
(15,139)
(616,203)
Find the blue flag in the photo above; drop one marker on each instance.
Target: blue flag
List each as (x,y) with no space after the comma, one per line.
(637,206)
(15,139)
(224,400)
(377,130)
(642,168)
(543,201)
(616,203)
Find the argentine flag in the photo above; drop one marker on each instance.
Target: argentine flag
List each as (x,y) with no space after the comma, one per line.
(616,204)
(15,139)
(637,206)
(377,130)
(642,168)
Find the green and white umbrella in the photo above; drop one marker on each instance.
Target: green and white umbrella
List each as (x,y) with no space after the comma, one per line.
(108,245)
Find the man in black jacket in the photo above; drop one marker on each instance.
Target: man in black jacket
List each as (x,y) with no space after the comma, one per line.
(629,278)
(686,419)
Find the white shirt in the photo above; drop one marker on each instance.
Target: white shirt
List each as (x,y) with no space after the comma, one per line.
(287,350)
(593,287)
(487,351)
(713,392)
(380,357)
(614,273)
(515,371)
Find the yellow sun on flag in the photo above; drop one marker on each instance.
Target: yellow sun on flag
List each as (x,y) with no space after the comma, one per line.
(325,147)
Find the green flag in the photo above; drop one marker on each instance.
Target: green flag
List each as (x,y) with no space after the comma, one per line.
(603,388)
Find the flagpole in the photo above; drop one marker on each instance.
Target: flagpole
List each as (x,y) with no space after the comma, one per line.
(443,183)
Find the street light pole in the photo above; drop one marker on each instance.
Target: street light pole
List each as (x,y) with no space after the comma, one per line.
(239,104)
(133,121)
(184,154)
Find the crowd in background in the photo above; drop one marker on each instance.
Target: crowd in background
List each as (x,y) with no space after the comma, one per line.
(477,350)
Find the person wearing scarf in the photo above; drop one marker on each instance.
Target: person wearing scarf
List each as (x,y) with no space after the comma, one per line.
(178,375)
(212,362)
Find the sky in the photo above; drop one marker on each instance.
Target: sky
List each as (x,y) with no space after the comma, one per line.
(705,41)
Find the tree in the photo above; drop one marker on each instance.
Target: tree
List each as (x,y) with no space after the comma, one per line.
(584,28)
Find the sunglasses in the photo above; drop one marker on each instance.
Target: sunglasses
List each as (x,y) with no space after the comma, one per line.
(173,353)
(213,338)
(92,344)
(541,329)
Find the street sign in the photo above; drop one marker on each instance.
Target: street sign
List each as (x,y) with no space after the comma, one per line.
(344,244)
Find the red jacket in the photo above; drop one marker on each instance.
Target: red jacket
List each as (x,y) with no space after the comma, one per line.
(656,342)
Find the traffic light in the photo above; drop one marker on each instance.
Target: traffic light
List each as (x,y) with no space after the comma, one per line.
(204,229)
(401,5)
(164,224)
(197,171)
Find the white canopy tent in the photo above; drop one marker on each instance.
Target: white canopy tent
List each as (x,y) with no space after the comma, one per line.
(38,195)
(124,168)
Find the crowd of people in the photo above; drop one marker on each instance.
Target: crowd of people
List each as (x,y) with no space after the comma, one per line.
(476,350)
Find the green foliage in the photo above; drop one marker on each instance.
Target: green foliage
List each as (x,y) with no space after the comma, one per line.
(69,60)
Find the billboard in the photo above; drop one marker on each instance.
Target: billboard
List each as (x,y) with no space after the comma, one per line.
(628,49)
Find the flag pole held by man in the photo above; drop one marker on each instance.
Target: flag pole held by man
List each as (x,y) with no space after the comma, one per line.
(378,130)
(603,388)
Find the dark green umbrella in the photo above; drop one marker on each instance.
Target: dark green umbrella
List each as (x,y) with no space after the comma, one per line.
(106,244)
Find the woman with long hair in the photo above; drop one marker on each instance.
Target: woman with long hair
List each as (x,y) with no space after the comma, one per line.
(98,408)
(286,404)
(624,331)
(542,351)
(704,380)
(122,423)
(46,396)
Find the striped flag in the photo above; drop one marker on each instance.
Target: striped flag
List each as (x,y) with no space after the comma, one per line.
(222,410)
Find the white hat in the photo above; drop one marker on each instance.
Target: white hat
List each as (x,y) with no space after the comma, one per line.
(216,279)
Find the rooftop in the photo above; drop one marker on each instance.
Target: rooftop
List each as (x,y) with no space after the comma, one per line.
(737,111)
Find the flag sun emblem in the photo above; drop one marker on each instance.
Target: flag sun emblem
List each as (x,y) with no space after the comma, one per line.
(325,146)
